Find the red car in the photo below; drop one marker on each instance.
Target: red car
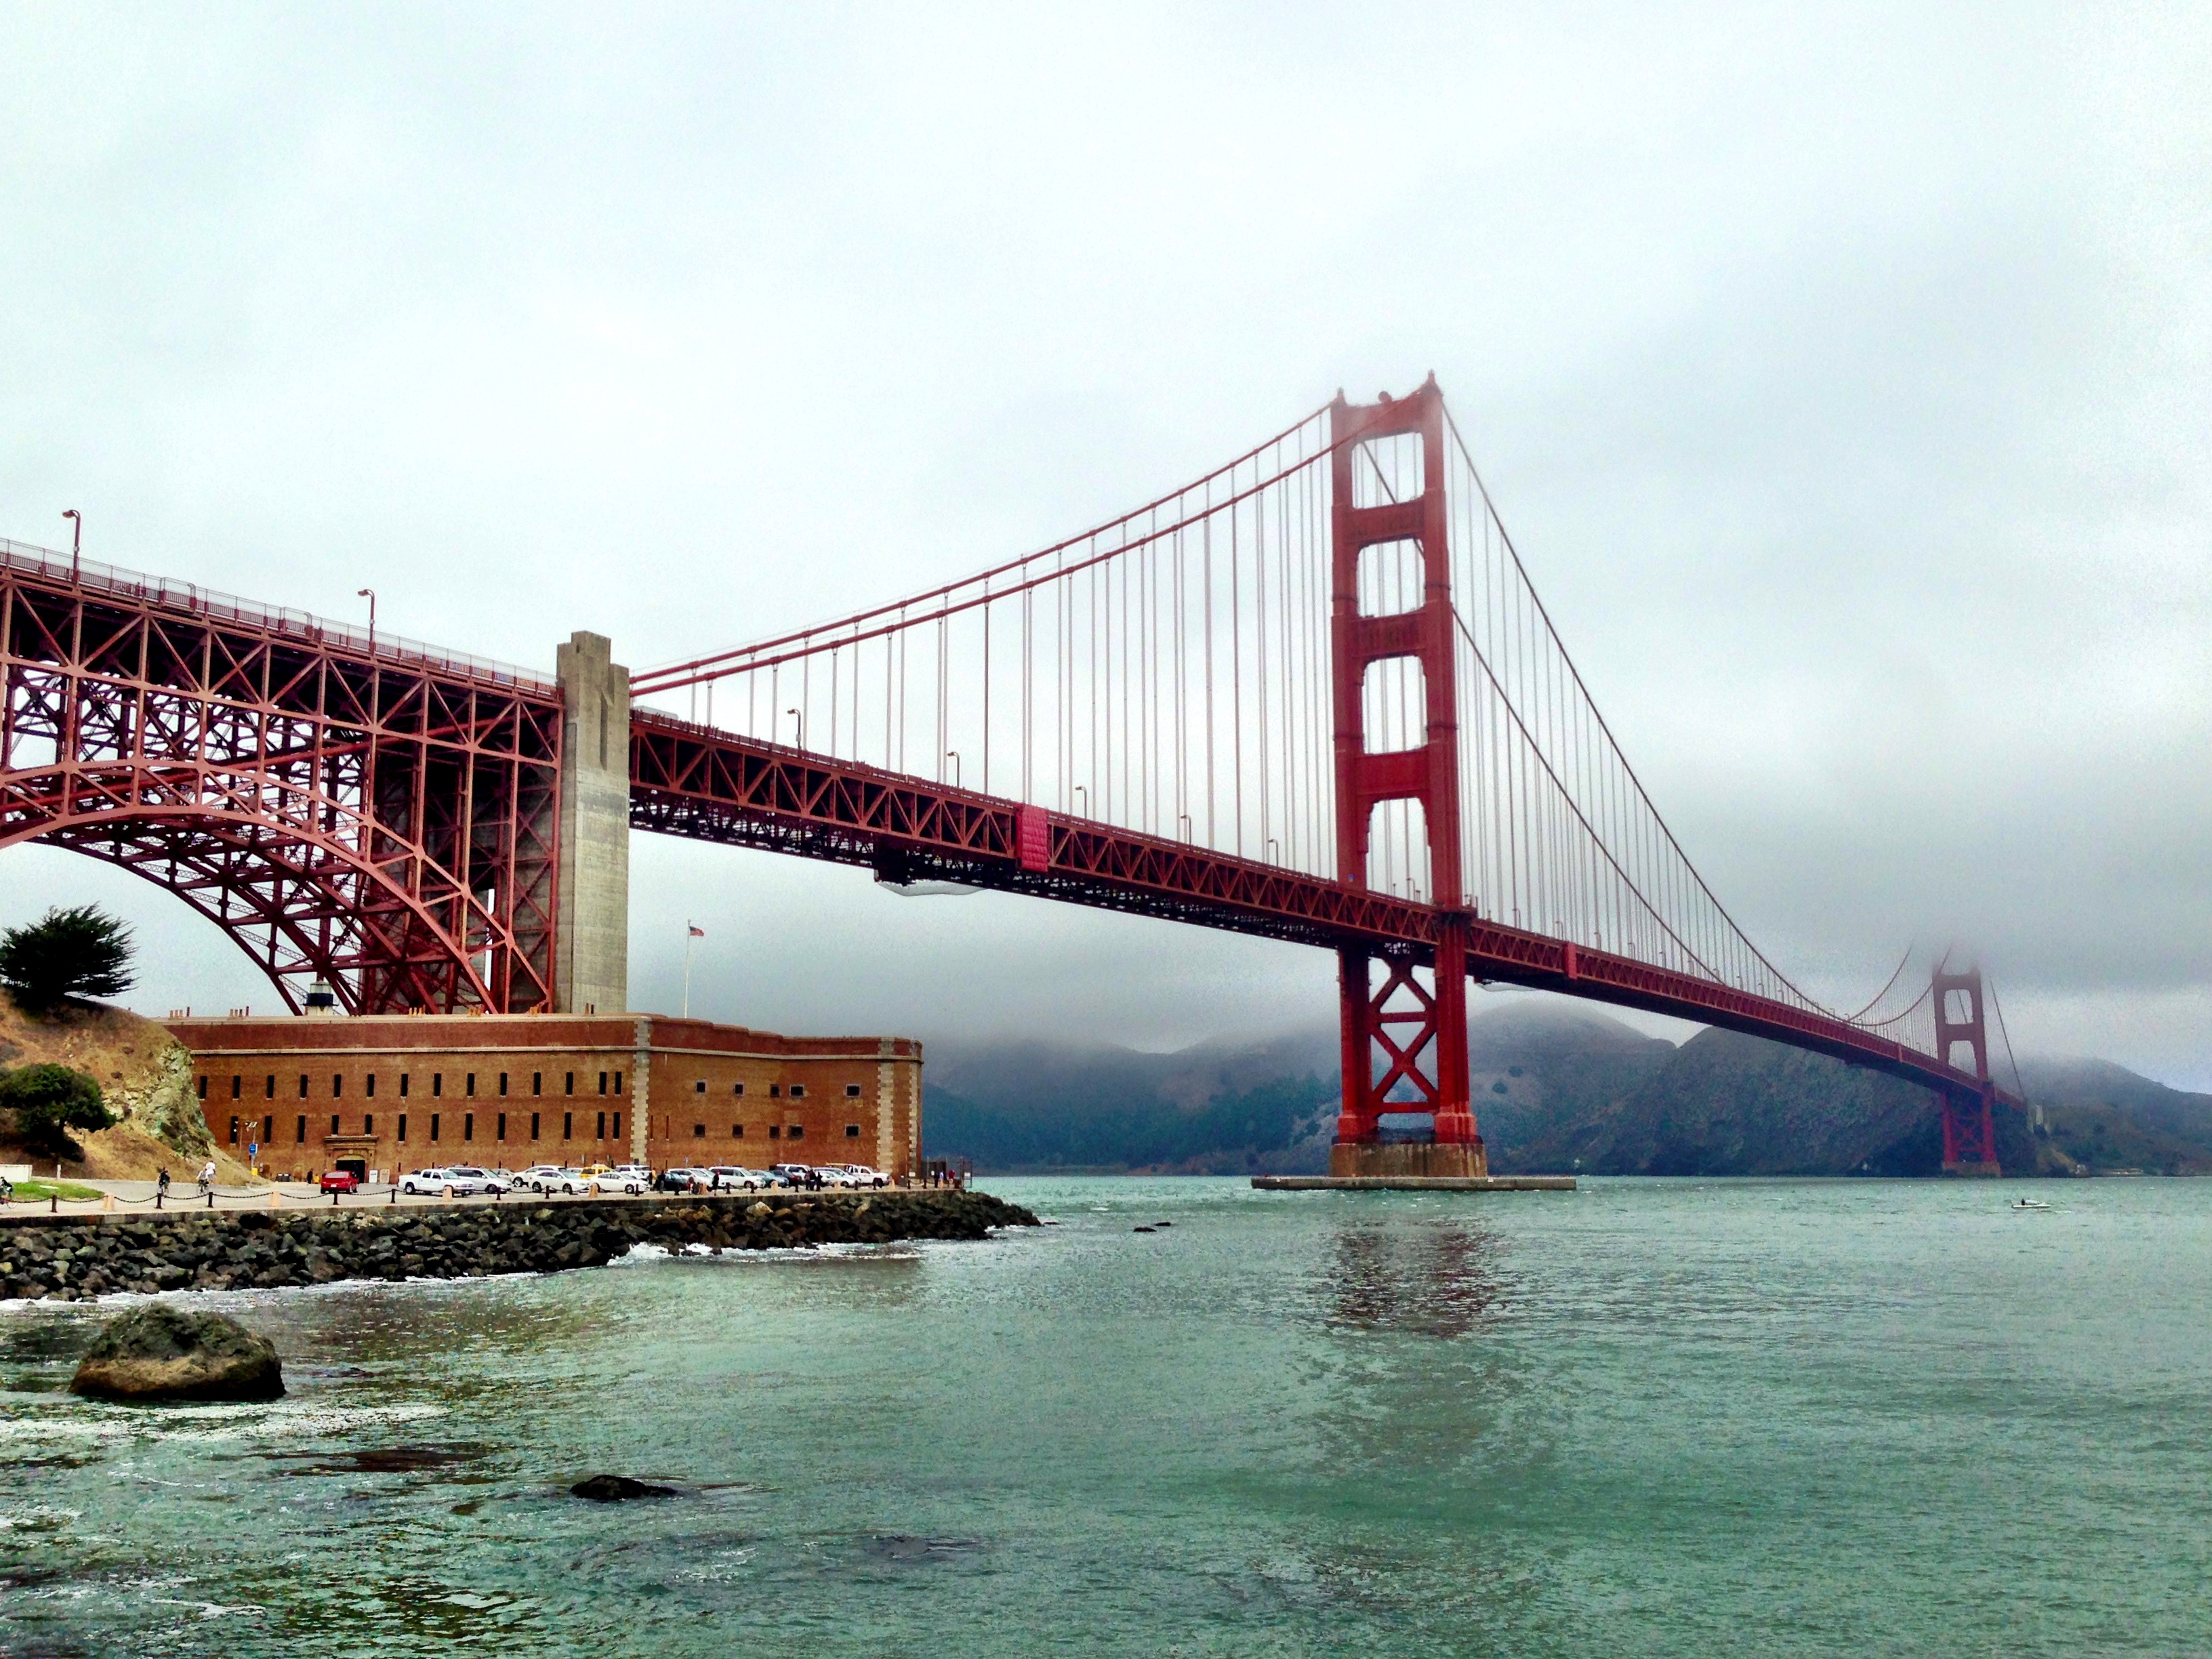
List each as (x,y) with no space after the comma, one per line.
(341,1180)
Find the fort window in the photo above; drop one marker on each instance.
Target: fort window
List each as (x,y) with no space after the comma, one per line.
(799,1091)
(502,1127)
(300,1135)
(617,1082)
(567,1125)
(852,1091)
(852,1132)
(698,1132)
(369,1085)
(434,1128)
(533,1126)
(603,1082)
(502,1085)
(202,1088)
(572,1083)
(234,1130)
(736,1131)
(617,1126)
(738,1089)
(603,1126)
(775,1090)
(775,1132)
(468,1126)
(403,1127)
(700,1087)
(338,1085)
(537,1082)
(236,1081)
(334,1122)
(269,1130)
(470,1086)
(796,1132)
(437,1085)
(368,1126)
(268,1087)
(303,1085)
(402,1085)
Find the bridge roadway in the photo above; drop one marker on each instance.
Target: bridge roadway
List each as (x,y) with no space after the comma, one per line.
(712,785)
(345,803)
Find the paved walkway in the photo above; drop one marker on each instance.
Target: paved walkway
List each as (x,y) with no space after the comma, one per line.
(136,1198)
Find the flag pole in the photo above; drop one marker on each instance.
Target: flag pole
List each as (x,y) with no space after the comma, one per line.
(690,933)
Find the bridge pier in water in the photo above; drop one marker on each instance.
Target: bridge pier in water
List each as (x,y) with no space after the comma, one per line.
(1400,1038)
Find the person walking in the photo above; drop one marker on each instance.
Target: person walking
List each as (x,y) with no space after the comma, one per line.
(161,1184)
(207,1177)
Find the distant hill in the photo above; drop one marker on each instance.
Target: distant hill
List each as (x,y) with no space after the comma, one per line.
(1558,1087)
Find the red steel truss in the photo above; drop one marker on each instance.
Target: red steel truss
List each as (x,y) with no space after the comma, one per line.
(711,785)
(377,818)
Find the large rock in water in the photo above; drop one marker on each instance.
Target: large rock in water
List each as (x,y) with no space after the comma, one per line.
(161,1353)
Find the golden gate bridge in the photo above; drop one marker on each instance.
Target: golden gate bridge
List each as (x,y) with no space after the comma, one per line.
(1312,695)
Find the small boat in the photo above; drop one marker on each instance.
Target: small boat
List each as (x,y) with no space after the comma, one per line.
(2029,1203)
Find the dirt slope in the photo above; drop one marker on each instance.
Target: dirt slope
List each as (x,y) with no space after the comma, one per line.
(144,1074)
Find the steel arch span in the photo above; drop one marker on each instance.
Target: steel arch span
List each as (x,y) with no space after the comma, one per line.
(346,812)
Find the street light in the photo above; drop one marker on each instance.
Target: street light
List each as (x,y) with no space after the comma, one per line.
(369,593)
(799,728)
(953,754)
(76,542)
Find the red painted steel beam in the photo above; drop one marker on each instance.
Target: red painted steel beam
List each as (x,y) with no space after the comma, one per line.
(711,785)
(371,814)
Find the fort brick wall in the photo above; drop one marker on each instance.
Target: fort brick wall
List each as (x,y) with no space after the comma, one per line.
(405,1091)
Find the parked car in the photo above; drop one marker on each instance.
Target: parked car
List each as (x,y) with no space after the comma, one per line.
(551,1178)
(796,1174)
(617,1180)
(340,1180)
(440,1182)
(682,1180)
(730,1178)
(494,1180)
(859,1174)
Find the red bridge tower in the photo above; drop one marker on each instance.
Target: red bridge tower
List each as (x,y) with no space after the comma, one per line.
(1970,1140)
(1400,1036)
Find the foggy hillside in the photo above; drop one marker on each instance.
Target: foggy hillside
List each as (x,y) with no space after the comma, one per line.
(1557,1087)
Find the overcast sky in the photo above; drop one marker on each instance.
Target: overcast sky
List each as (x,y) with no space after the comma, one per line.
(1845,373)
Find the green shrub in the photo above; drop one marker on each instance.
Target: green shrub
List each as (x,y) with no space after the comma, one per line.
(47,1102)
(78,952)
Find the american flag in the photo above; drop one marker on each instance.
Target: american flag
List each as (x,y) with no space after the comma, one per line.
(695,932)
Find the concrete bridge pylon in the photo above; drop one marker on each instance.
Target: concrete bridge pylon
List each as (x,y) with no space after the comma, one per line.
(591,939)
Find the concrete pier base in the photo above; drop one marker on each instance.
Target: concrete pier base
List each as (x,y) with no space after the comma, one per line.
(1414,1183)
(1457,1160)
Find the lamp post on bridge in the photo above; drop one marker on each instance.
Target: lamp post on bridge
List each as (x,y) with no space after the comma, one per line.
(953,754)
(369,593)
(799,728)
(77,544)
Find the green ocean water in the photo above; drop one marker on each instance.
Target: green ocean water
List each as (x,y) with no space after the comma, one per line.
(1708,1418)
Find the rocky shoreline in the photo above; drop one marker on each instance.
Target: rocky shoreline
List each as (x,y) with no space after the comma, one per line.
(74,1259)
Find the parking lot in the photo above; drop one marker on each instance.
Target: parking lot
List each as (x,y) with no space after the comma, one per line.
(143,1198)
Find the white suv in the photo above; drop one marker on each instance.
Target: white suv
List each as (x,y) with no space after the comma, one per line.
(443,1183)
